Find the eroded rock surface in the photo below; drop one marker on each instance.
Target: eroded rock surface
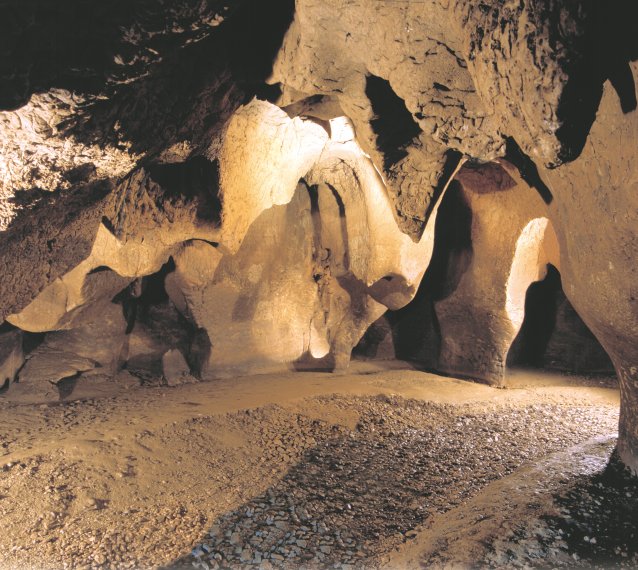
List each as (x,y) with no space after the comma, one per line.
(281,250)
(263,180)
(425,82)
(599,256)
(509,242)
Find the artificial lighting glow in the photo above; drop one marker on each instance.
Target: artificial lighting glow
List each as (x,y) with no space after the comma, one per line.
(529,265)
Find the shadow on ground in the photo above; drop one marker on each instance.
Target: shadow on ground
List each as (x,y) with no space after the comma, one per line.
(599,518)
(356,494)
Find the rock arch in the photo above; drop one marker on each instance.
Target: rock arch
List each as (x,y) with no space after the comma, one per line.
(304,255)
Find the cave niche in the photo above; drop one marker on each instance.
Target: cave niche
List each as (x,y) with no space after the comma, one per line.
(553,336)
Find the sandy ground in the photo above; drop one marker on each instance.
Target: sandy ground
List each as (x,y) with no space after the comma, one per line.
(384,466)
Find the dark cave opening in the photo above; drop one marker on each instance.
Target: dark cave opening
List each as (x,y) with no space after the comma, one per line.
(541,305)
(393,123)
(553,336)
(413,330)
(155,326)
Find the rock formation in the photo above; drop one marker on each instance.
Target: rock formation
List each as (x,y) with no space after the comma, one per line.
(480,308)
(202,189)
(598,258)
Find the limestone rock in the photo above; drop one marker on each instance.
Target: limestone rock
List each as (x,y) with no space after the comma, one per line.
(93,346)
(283,168)
(595,212)
(441,76)
(504,245)
(298,274)
(175,368)
(263,156)
(11,356)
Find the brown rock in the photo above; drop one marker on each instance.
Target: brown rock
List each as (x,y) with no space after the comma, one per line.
(175,368)
(503,245)
(11,356)
(596,218)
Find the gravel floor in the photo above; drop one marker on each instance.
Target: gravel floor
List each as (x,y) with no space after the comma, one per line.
(356,494)
(595,526)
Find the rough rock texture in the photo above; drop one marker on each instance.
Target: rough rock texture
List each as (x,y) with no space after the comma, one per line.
(504,248)
(90,348)
(141,177)
(91,91)
(109,240)
(438,79)
(54,162)
(282,251)
(599,271)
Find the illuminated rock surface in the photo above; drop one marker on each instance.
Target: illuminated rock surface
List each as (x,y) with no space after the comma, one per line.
(192,191)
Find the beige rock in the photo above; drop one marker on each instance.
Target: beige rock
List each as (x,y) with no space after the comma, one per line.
(54,159)
(595,213)
(131,229)
(307,256)
(382,87)
(436,76)
(510,242)
(305,234)
(95,345)
(263,156)
(62,304)
(309,275)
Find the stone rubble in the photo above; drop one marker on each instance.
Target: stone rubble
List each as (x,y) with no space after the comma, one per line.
(359,493)
(595,526)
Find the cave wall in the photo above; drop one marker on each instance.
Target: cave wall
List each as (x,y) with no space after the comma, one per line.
(596,218)
(480,302)
(274,172)
(278,252)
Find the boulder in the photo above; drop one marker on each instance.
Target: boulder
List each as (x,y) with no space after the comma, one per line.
(93,346)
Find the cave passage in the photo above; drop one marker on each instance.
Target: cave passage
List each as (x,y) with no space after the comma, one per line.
(553,336)
(314,284)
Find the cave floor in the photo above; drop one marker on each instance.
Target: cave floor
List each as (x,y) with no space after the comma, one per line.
(382,466)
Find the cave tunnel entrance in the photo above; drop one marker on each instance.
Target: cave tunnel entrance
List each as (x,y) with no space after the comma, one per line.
(412,333)
(553,336)
(541,306)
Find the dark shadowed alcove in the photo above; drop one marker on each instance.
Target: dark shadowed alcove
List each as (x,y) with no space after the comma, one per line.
(414,329)
(553,336)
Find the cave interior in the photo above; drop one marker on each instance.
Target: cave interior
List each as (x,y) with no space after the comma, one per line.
(309,211)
